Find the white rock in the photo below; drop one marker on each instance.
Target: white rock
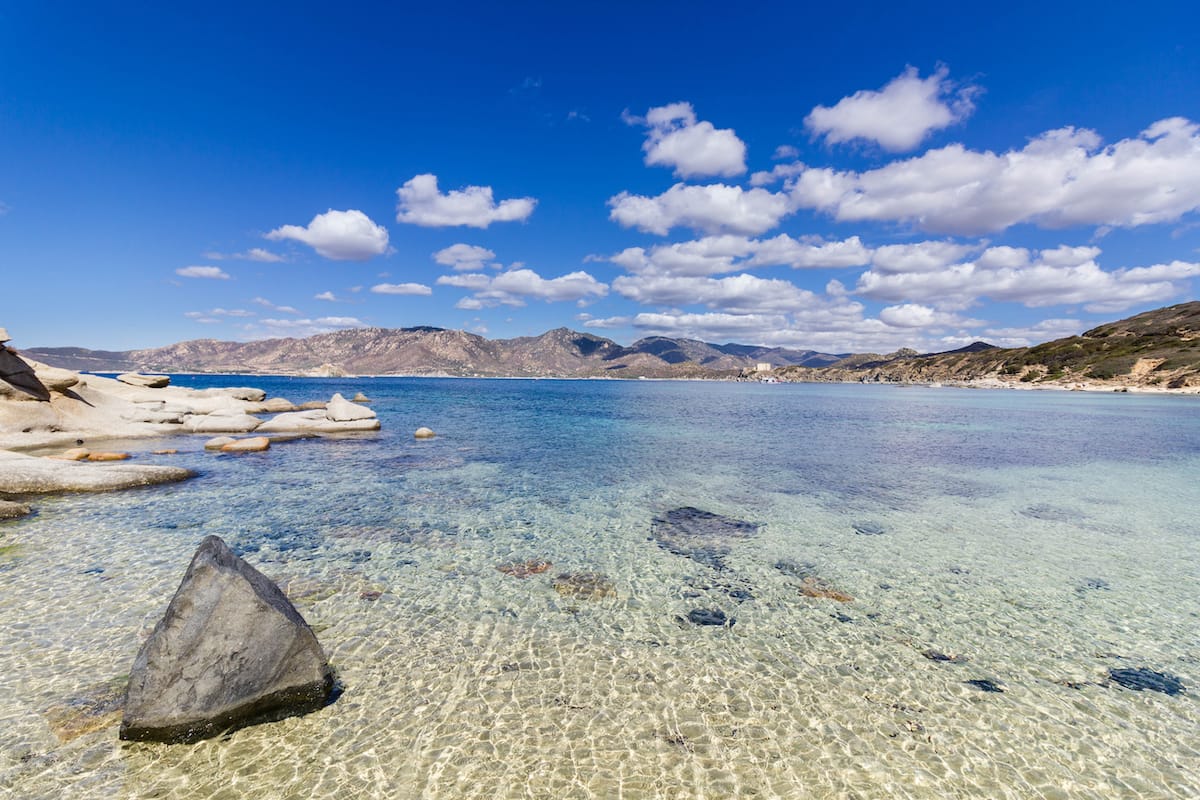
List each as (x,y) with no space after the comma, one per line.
(339,409)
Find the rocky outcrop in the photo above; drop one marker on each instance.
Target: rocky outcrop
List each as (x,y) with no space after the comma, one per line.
(148,381)
(338,416)
(21,473)
(230,651)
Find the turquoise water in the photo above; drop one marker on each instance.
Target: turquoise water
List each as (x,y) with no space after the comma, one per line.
(1039,539)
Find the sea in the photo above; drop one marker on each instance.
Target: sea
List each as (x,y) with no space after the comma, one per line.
(651,589)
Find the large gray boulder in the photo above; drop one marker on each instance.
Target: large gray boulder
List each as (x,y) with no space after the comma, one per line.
(230,651)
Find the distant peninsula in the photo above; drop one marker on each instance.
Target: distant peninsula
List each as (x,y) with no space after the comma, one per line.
(1157,349)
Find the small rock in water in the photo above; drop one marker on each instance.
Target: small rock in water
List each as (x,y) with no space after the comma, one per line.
(167,451)
(107,456)
(523,569)
(813,586)
(584,585)
(252,444)
(1094,584)
(840,617)
(938,655)
(74,454)
(218,442)
(423,433)
(1143,678)
(710,616)
(795,569)
(985,685)
(359,397)
(11,510)
(702,536)
(868,528)
(96,708)
(370,595)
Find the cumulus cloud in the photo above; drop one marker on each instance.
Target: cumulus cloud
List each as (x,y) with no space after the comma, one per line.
(464,257)
(777,173)
(715,208)
(474,206)
(713,255)
(897,117)
(737,293)
(693,148)
(203,272)
(918,256)
(1057,276)
(401,288)
(265,303)
(338,235)
(328,297)
(514,286)
(913,315)
(1062,178)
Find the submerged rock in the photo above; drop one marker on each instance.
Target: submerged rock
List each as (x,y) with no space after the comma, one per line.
(11,510)
(812,586)
(984,685)
(868,528)
(523,569)
(710,616)
(702,536)
(585,585)
(230,651)
(95,708)
(938,655)
(1143,678)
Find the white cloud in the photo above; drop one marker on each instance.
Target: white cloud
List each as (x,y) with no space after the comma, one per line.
(422,204)
(259,254)
(203,272)
(1056,276)
(401,288)
(898,116)
(740,293)
(777,173)
(713,255)
(918,256)
(338,235)
(265,303)
(785,152)
(911,315)
(693,148)
(1062,178)
(464,257)
(716,208)
(1044,331)
(329,297)
(302,327)
(514,286)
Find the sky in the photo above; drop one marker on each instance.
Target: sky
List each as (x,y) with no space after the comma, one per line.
(835,179)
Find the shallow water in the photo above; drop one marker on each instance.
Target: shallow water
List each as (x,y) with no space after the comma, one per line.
(1039,539)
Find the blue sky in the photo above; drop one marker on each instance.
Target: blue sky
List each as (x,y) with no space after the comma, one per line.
(819,178)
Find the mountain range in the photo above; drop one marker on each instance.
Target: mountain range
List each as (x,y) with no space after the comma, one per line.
(1156,348)
(426,350)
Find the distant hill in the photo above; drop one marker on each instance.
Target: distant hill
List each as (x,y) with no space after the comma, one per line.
(1157,348)
(426,350)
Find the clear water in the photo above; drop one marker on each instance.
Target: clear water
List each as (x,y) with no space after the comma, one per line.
(1045,538)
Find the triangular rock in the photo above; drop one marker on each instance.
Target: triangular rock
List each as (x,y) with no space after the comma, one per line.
(230,651)
(17,373)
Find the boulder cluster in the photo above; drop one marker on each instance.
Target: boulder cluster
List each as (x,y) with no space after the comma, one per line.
(44,408)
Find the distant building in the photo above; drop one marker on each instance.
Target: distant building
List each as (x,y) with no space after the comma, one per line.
(763,366)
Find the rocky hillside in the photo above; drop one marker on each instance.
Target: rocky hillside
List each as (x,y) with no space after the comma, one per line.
(1159,348)
(436,351)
